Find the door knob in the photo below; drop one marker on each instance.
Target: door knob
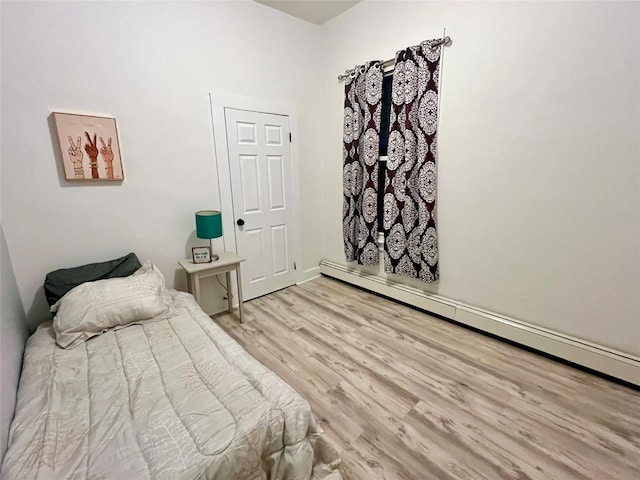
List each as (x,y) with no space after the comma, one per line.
(240,222)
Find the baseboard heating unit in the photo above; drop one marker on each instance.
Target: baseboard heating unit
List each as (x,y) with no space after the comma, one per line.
(602,359)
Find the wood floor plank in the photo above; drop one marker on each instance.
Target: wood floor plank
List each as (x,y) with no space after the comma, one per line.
(308,303)
(388,463)
(357,466)
(452,456)
(558,378)
(497,445)
(280,309)
(368,382)
(405,395)
(342,428)
(560,382)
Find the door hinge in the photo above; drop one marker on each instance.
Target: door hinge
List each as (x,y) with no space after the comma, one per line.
(294,266)
(289,137)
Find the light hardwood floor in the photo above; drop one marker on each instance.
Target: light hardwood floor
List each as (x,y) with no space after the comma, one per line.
(404,395)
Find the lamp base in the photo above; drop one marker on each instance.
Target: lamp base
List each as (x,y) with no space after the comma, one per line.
(214,257)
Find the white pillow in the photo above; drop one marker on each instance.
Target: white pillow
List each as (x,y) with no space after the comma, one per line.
(93,308)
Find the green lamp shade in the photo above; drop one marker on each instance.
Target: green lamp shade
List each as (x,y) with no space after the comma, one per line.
(208,224)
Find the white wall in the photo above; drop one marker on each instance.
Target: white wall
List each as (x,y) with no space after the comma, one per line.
(539,155)
(152,66)
(539,173)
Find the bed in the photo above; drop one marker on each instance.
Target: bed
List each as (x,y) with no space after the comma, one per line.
(170,396)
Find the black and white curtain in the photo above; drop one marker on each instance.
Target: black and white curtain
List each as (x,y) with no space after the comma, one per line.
(362,106)
(409,221)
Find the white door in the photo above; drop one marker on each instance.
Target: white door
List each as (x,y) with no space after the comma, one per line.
(260,168)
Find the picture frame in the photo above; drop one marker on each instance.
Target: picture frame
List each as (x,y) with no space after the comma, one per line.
(201,254)
(89,146)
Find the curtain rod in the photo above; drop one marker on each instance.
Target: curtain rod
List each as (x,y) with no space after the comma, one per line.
(445,41)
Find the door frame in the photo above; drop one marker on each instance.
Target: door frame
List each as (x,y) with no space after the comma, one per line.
(219,101)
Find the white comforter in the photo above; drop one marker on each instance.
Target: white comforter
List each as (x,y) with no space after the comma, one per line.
(169,399)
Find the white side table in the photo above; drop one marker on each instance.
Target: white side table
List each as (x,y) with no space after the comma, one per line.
(227,262)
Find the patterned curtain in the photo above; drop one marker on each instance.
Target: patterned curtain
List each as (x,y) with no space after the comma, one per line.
(360,154)
(409,221)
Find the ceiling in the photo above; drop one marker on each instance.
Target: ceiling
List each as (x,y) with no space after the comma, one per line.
(314,11)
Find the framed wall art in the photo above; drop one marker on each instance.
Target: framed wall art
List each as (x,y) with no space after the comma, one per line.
(89,146)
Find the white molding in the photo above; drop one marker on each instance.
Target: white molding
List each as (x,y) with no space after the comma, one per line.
(588,354)
(219,101)
(309,274)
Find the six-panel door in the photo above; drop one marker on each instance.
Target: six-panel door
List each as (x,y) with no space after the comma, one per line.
(260,166)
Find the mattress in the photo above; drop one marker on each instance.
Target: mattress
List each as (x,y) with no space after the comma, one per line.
(169,399)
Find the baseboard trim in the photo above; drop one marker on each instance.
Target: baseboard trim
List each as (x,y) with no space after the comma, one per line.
(602,359)
(308,275)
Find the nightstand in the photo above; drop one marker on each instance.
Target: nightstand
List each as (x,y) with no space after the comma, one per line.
(227,263)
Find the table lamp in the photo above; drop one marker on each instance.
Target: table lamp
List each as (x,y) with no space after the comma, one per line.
(209,225)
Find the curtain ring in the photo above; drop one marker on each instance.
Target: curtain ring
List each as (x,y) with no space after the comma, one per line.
(377,65)
(362,69)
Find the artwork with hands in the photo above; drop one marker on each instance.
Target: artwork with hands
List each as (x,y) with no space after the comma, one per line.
(89,146)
